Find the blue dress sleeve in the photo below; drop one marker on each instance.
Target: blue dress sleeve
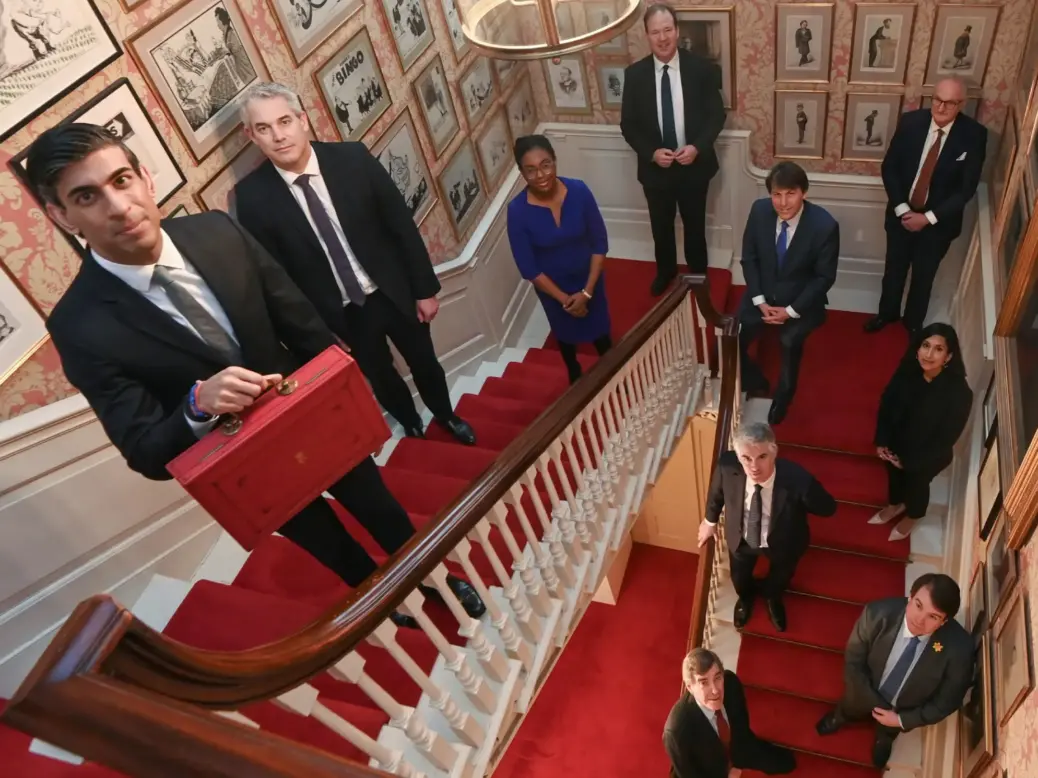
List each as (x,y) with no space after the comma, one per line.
(519,241)
(596,229)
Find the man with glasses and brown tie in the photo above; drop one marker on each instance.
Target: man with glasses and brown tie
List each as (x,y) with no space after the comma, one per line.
(930,171)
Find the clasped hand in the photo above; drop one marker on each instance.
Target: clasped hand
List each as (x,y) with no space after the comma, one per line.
(576,305)
(232,390)
(773,314)
(887,455)
(913,221)
(686,155)
(887,718)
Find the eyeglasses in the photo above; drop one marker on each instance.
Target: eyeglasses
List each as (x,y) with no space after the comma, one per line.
(938,103)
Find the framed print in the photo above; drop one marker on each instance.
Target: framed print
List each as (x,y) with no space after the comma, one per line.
(459,43)
(199,57)
(710,33)
(462,189)
(976,722)
(611,84)
(1003,164)
(522,115)
(971,107)
(990,411)
(507,70)
(869,122)
(989,490)
(976,605)
(180,210)
(408,22)
(477,89)
(50,48)
(436,106)
(567,85)
(306,25)
(22,328)
(800,124)
(1002,568)
(1016,210)
(218,193)
(1013,661)
(1027,75)
(401,155)
(352,87)
(129,5)
(961,43)
(600,13)
(804,42)
(882,39)
(494,144)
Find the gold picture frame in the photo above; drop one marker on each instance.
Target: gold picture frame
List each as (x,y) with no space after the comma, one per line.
(872,60)
(951,42)
(800,124)
(1013,660)
(800,57)
(870,119)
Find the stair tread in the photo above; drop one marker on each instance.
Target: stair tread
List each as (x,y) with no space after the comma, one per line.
(849,530)
(847,477)
(814,766)
(812,621)
(420,492)
(435,458)
(850,577)
(550,357)
(528,390)
(766,663)
(489,434)
(501,409)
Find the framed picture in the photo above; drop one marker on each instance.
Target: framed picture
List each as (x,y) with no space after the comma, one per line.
(477,89)
(971,107)
(199,57)
(401,155)
(869,122)
(50,48)
(990,412)
(494,144)
(1013,661)
(599,13)
(352,87)
(976,606)
(1003,164)
(804,42)
(1016,209)
(129,5)
(459,43)
(710,33)
(800,124)
(408,23)
(961,43)
(882,39)
(305,26)
(989,490)
(507,71)
(436,106)
(611,84)
(522,115)
(1002,568)
(218,193)
(22,328)
(976,725)
(462,189)
(1027,75)
(180,210)
(567,85)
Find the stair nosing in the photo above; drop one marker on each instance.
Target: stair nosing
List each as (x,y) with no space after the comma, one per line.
(787,641)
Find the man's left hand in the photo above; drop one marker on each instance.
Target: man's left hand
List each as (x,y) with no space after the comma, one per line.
(913,222)
(427,309)
(886,717)
(686,155)
(776,315)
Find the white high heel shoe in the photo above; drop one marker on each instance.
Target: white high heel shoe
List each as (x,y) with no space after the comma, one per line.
(903,529)
(887,515)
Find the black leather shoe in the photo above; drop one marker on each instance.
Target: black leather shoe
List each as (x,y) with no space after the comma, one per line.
(881,748)
(777,411)
(828,724)
(660,284)
(402,620)
(876,323)
(743,611)
(460,429)
(777,614)
(463,590)
(414,431)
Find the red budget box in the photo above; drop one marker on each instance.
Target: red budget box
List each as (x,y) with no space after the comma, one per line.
(258,469)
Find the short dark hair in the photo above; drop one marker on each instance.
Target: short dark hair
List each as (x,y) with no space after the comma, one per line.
(528,143)
(699,661)
(63,146)
(944,592)
(955,366)
(786,175)
(659,8)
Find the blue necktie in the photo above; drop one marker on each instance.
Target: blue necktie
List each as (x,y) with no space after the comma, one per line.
(892,685)
(783,243)
(670,133)
(350,282)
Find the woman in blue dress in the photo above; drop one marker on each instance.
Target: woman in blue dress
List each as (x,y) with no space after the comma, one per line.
(559,243)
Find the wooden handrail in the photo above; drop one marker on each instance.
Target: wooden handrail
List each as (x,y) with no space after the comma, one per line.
(112,689)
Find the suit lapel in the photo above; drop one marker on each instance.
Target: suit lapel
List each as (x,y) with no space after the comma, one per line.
(918,142)
(739,500)
(793,250)
(950,152)
(930,663)
(779,495)
(282,201)
(884,643)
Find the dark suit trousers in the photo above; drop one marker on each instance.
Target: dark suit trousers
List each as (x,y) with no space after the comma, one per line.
(922,252)
(846,712)
(687,194)
(368,330)
(317,530)
(910,488)
(741,562)
(792,334)
(768,758)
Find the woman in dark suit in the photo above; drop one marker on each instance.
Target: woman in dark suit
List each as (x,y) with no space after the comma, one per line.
(923,412)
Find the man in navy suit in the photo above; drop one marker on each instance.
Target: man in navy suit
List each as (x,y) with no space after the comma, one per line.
(930,171)
(790,251)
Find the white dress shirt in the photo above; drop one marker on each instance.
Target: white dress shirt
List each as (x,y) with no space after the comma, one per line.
(896,650)
(313,169)
(791,227)
(711,716)
(674,74)
(766,493)
(931,138)
(139,277)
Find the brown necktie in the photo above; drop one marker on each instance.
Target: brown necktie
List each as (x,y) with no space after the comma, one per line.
(922,186)
(723,731)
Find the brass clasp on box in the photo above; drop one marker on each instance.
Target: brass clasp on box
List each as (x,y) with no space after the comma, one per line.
(233,423)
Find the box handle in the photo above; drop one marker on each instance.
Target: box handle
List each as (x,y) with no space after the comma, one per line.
(232,424)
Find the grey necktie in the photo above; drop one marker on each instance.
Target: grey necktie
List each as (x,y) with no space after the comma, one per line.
(207,327)
(753,517)
(350,282)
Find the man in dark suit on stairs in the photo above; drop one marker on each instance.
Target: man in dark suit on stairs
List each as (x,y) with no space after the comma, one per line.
(708,735)
(765,501)
(790,253)
(908,664)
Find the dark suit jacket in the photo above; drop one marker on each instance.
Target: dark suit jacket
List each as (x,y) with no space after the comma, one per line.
(375,219)
(704,117)
(809,269)
(135,364)
(937,684)
(796,494)
(954,181)
(692,744)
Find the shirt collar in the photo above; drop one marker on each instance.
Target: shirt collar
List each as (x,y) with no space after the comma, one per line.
(907,634)
(947,128)
(674,62)
(312,168)
(769,484)
(710,713)
(138,277)
(794,221)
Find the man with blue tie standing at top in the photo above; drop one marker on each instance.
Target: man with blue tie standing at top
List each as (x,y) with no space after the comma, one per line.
(790,251)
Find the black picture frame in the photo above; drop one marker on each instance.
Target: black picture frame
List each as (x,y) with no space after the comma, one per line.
(990,413)
(5,134)
(988,522)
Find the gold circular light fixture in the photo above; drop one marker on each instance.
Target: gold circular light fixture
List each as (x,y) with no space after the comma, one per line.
(541,29)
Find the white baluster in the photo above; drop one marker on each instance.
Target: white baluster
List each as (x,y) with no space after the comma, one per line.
(536,589)
(545,563)
(525,619)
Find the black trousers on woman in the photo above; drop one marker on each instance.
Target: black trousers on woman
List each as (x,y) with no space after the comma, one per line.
(910,488)
(569,355)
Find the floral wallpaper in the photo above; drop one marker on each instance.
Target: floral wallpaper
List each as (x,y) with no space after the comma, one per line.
(755,74)
(40,258)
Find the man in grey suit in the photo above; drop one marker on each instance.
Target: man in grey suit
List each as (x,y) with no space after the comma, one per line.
(908,664)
